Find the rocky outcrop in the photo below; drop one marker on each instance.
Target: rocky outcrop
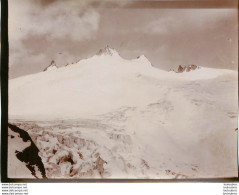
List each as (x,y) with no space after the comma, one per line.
(106,51)
(21,146)
(187,68)
(180,69)
(51,66)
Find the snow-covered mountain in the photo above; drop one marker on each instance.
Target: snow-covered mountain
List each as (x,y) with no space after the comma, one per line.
(106,116)
(94,86)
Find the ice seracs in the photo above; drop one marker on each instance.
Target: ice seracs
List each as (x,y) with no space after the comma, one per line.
(52,66)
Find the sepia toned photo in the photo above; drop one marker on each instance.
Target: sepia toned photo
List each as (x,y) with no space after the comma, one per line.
(122,89)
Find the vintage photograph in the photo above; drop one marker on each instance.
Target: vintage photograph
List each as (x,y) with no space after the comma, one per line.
(122,90)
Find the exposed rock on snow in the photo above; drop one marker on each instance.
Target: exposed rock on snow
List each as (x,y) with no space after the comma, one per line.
(52,66)
(23,158)
(187,68)
(107,51)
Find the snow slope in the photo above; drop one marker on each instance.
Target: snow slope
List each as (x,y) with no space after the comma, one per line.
(130,119)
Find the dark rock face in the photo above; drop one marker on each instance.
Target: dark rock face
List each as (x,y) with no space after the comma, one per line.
(188,68)
(30,154)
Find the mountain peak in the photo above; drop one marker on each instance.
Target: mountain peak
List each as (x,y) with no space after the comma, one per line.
(144,59)
(107,51)
(51,66)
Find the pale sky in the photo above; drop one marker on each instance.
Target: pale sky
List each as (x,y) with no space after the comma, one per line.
(67,31)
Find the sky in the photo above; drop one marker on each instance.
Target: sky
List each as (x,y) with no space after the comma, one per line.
(66,31)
